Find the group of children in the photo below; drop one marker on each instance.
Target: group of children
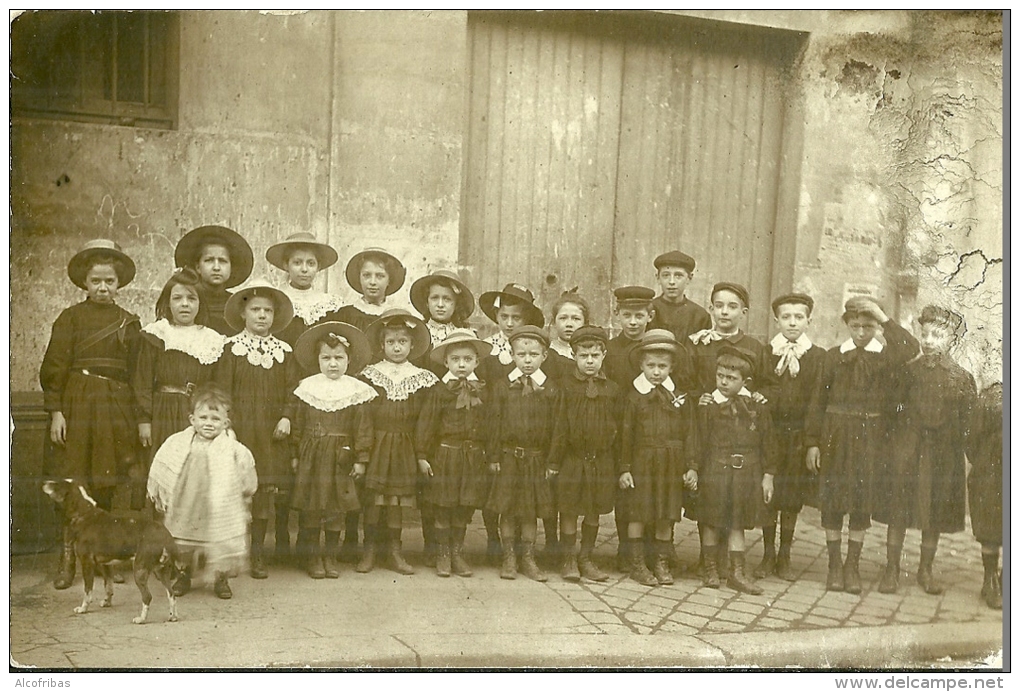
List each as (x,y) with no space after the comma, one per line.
(260,402)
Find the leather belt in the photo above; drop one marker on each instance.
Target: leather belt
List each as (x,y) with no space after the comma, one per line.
(844,411)
(737,461)
(187,390)
(521,452)
(89,373)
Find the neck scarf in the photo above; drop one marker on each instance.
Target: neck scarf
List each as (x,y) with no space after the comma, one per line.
(790,353)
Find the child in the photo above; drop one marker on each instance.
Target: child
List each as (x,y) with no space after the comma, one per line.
(728,308)
(569,313)
(303,257)
(84,376)
(391,478)
(222,259)
(449,440)
(584,450)
(656,444)
(176,355)
(673,311)
(845,434)
(259,373)
(795,365)
(202,480)
(332,438)
(735,467)
(376,275)
(522,425)
(510,308)
(984,488)
(925,480)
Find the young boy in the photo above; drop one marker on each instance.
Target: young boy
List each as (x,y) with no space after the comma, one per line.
(521,431)
(795,364)
(735,468)
(846,432)
(672,310)
(634,311)
(584,448)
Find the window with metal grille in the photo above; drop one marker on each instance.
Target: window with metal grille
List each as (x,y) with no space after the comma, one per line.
(115,67)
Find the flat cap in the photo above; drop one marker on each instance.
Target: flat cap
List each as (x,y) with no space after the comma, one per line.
(675,258)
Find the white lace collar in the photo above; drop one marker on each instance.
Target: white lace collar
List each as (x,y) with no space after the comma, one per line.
(370,308)
(643,386)
(450,377)
(538,377)
(311,305)
(440,330)
(324,394)
(718,398)
(501,348)
(803,343)
(562,347)
(261,351)
(201,343)
(873,346)
(399,380)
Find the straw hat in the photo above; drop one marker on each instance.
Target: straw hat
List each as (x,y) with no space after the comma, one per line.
(420,293)
(276,255)
(459,337)
(78,267)
(653,340)
(421,339)
(241,260)
(358,350)
(259,288)
(396,270)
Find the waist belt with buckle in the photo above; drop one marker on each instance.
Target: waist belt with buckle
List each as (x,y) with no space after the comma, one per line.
(737,461)
(187,390)
(521,452)
(89,373)
(467,444)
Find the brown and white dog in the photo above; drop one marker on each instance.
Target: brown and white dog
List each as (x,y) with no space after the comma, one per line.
(100,538)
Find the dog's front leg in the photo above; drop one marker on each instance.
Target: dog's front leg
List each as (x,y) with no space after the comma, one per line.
(88,575)
(173,606)
(107,585)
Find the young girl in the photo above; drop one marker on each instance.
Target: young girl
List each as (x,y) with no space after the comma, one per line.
(391,477)
(202,480)
(846,432)
(85,374)
(303,257)
(925,479)
(569,313)
(332,438)
(222,259)
(984,487)
(177,354)
(259,373)
(376,275)
(449,440)
(584,451)
(656,445)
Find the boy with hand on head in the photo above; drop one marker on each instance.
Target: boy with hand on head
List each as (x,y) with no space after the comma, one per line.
(672,309)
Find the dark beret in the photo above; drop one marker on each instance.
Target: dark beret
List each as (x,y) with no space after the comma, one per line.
(732,287)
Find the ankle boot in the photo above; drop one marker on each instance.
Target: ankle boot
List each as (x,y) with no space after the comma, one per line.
(367,562)
(310,554)
(738,581)
(991,589)
(349,549)
(330,555)
(258,539)
(767,566)
(661,568)
(551,548)
(65,576)
(458,564)
(994,598)
(851,568)
(584,561)
(220,587)
(925,578)
(723,558)
(710,570)
(784,570)
(281,549)
(509,567)
(400,565)
(529,567)
(639,571)
(834,579)
(623,555)
(430,540)
(891,577)
(442,538)
(570,570)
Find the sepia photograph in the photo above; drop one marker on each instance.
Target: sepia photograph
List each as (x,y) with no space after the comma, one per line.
(509,340)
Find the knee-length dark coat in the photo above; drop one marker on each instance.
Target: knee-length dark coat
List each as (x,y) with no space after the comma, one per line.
(984,449)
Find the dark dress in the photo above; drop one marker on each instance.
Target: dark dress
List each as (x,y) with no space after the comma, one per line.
(214,300)
(683,318)
(310,308)
(557,366)
(617,364)
(924,482)
(703,357)
(520,434)
(788,399)
(165,378)
(984,449)
(586,445)
(101,442)
(729,487)
(656,446)
(359,318)
(261,397)
(326,444)
(848,420)
(451,435)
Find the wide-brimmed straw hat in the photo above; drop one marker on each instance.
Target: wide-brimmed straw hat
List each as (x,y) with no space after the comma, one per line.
(241,259)
(396,270)
(358,350)
(259,288)
(79,265)
(459,337)
(421,339)
(277,254)
(654,340)
(512,294)
(420,293)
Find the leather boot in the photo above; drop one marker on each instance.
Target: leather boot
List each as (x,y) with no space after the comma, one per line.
(570,570)
(991,589)
(258,539)
(529,567)
(925,578)
(65,577)
(639,571)
(430,539)
(994,598)
(349,550)
(623,555)
(494,546)
(784,569)
(281,548)
(661,568)
(330,553)
(458,564)
(891,577)
(442,538)
(221,588)
(400,565)
(367,562)
(767,566)
(584,561)
(310,554)
(723,556)
(710,570)
(834,579)
(851,568)
(738,581)
(509,567)
(551,549)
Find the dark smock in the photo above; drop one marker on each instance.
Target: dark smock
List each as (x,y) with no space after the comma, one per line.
(683,318)
(984,449)
(704,356)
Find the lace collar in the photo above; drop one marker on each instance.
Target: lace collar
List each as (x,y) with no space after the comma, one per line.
(324,394)
(501,348)
(643,386)
(538,377)
(802,344)
(398,380)
(370,308)
(201,343)
(440,330)
(563,348)
(718,398)
(311,305)
(873,346)
(450,377)
(261,351)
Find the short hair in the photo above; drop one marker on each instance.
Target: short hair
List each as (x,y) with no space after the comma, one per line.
(942,317)
(734,363)
(200,250)
(212,396)
(181,277)
(120,267)
(851,314)
(527,337)
(583,343)
(571,298)
(379,258)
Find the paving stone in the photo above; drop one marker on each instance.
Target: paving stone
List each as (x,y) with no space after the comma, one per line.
(724,626)
(617,601)
(602,618)
(670,627)
(874,610)
(744,607)
(916,608)
(868,620)
(690,619)
(801,595)
(783,614)
(642,619)
(714,598)
(698,609)
(820,622)
(651,610)
(910,618)
(641,629)
(795,606)
(736,616)
(772,624)
(834,613)
(609,628)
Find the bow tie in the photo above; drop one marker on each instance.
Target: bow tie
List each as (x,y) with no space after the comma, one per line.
(527,384)
(466,392)
(667,398)
(735,407)
(707,336)
(789,357)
